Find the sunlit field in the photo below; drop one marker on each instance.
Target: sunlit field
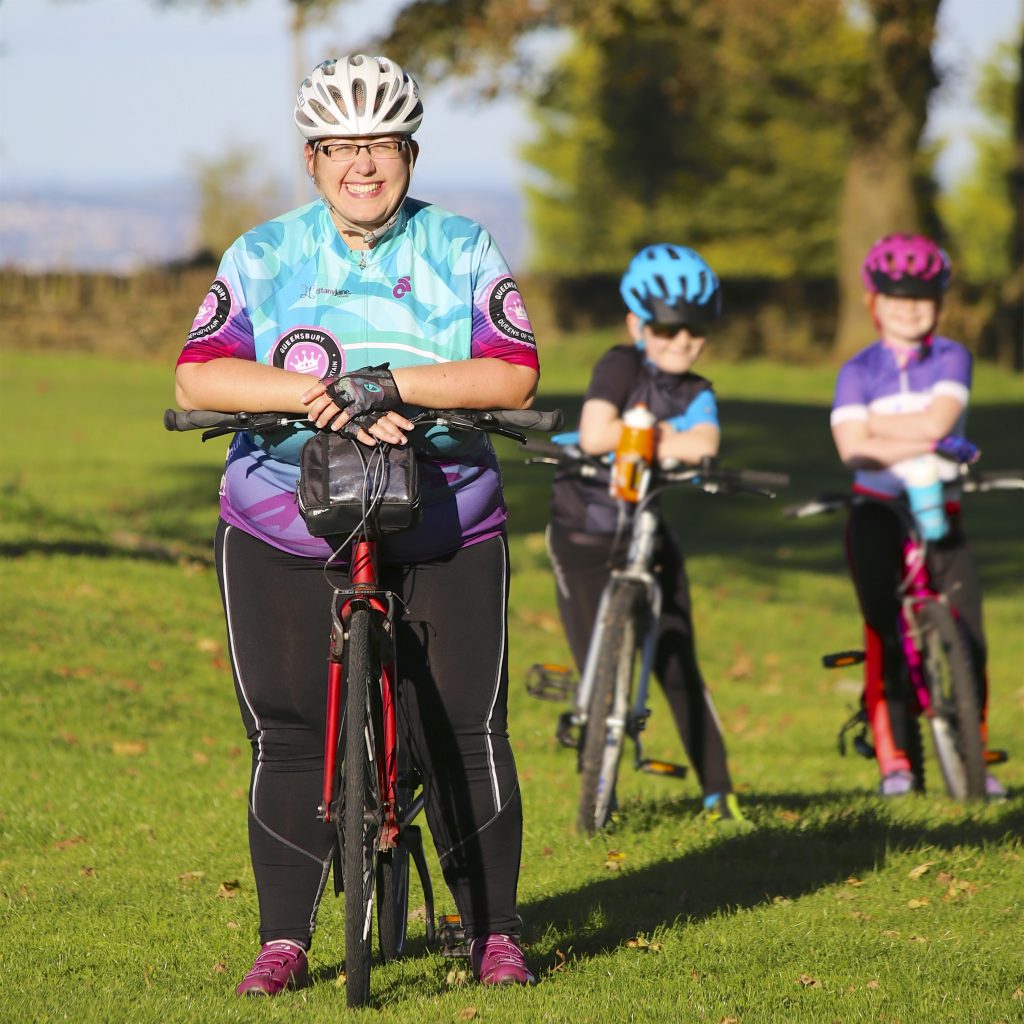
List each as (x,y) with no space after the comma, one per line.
(125,887)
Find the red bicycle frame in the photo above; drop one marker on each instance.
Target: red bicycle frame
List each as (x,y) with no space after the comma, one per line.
(364,590)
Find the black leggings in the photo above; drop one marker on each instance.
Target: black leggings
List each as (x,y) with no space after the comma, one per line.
(453,690)
(875,550)
(582,567)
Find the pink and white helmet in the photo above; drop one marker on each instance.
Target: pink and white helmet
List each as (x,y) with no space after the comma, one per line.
(910,266)
(358,95)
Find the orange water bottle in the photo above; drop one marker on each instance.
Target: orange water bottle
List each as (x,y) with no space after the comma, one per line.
(634,455)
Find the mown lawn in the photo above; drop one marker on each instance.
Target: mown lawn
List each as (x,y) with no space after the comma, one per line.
(125,890)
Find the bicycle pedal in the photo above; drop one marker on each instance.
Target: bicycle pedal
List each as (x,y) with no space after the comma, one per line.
(550,682)
(666,768)
(451,936)
(567,734)
(843,659)
(996,757)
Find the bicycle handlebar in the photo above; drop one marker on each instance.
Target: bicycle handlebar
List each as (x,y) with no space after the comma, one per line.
(497,421)
(708,475)
(973,482)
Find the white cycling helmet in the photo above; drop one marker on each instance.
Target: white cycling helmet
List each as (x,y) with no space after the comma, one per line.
(358,95)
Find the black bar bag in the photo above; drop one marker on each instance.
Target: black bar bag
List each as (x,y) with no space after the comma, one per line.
(345,486)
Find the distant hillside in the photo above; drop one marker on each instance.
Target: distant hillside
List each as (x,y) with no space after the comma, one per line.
(121,232)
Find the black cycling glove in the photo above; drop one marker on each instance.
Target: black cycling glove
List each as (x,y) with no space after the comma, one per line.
(365,394)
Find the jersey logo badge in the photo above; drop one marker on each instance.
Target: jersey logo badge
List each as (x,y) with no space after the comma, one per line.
(213,313)
(309,350)
(508,313)
(403,287)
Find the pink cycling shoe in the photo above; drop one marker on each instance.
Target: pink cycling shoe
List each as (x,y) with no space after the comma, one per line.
(280,965)
(498,960)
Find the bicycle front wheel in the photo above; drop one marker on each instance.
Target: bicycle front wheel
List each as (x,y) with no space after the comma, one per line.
(955,720)
(605,731)
(362,806)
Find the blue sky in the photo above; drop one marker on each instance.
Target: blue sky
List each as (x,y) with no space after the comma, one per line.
(136,94)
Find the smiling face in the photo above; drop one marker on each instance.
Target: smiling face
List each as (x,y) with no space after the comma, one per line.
(366,190)
(904,321)
(672,350)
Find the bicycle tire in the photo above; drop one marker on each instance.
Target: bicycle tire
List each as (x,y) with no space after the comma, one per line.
(601,747)
(361,819)
(955,721)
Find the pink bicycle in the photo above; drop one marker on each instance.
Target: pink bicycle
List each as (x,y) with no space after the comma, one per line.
(943,686)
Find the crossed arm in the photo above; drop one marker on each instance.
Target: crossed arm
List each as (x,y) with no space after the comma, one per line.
(881,441)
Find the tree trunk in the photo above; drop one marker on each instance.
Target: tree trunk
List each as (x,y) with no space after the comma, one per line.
(877,199)
(1013,292)
(880,193)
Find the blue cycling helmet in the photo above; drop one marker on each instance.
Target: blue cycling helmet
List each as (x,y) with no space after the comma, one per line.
(671,285)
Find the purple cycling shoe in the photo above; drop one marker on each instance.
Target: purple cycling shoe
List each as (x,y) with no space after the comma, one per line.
(498,960)
(280,965)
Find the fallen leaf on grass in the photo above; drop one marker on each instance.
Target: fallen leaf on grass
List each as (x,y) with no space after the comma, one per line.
(859,915)
(66,844)
(729,1020)
(920,869)
(854,881)
(959,887)
(191,876)
(128,748)
(88,872)
(1018,993)
(613,860)
(198,757)
(891,933)
(919,939)
(742,666)
(229,890)
(642,942)
(468,1013)
(341,979)
(917,904)
(782,901)
(232,925)
(788,815)
(944,878)
(873,983)
(561,964)
(456,977)
(808,982)
(219,967)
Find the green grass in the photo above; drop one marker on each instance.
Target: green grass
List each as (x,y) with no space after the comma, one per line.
(122,791)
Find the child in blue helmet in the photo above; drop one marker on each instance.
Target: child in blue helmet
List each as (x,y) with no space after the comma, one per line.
(672,296)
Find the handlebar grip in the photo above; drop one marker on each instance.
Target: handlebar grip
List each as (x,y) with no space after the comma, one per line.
(197,419)
(757,478)
(530,419)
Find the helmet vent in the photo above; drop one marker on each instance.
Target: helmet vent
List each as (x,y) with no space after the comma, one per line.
(339,100)
(379,100)
(322,112)
(359,96)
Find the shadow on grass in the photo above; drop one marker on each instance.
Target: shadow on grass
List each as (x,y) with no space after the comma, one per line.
(749,869)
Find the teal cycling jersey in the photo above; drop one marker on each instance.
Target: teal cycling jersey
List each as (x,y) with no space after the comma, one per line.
(290,293)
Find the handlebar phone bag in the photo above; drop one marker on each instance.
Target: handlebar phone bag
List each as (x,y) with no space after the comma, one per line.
(345,485)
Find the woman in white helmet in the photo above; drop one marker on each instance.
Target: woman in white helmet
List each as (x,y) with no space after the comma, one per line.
(368,283)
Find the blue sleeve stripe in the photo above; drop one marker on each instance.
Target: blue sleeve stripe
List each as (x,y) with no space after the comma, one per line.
(703,409)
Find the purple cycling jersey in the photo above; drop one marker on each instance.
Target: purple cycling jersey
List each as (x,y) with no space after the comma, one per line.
(873,383)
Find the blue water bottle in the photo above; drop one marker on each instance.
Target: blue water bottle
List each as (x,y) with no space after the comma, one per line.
(924,491)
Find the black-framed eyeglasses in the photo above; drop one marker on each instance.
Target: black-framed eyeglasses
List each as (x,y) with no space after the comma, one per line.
(379,149)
